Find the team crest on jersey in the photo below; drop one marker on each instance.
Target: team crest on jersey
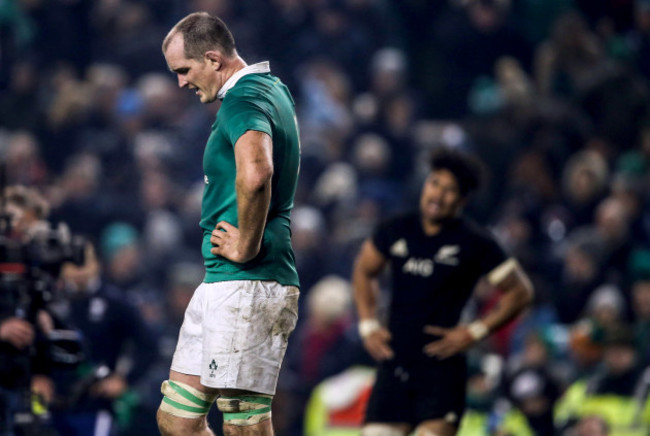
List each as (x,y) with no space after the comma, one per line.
(447,255)
(399,248)
(205,179)
(213,367)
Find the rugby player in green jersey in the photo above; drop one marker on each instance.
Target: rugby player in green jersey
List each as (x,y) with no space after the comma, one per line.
(236,327)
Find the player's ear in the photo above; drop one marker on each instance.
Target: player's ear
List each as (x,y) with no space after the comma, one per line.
(214,58)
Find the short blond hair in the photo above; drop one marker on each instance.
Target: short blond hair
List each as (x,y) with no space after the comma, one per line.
(28,199)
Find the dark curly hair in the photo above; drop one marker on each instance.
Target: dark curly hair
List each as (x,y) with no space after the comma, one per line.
(468,170)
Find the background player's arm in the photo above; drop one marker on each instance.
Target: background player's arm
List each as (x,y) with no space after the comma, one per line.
(367,267)
(254,162)
(517,294)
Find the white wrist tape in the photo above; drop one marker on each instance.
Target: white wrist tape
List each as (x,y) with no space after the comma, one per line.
(368,327)
(477,330)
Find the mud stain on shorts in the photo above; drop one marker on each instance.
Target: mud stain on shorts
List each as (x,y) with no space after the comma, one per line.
(286,318)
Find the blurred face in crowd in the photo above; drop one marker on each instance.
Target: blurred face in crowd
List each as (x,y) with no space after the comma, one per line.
(441,198)
(191,73)
(607,314)
(642,17)
(591,426)
(641,295)
(579,266)
(485,16)
(535,352)
(25,219)
(582,186)
(124,265)
(611,219)
(619,358)
(20,218)
(480,392)
(535,406)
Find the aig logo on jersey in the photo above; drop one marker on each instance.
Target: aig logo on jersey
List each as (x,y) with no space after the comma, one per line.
(446,255)
(418,267)
(415,266)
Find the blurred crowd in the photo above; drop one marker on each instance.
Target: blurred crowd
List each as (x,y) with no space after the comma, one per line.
(553,95)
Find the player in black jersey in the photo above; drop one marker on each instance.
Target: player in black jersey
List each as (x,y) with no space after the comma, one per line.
(436,257)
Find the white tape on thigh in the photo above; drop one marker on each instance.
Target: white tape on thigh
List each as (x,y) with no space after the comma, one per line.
(381,430)
(183,400)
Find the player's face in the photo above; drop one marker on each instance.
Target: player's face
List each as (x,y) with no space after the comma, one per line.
(191,73)
(440,199)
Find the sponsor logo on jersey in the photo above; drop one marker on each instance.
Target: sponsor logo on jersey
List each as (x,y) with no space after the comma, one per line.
(399,248)
(418,267)
(447,255)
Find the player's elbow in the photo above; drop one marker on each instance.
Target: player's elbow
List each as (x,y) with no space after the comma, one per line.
(526,294)
(360,275)
(358,272)
(256,179)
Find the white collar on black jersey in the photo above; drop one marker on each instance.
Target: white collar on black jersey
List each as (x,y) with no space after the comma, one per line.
(260,67)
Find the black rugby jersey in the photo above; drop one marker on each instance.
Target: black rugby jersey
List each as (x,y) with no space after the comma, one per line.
(432,277)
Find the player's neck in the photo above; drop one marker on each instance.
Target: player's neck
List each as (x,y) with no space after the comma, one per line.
(239,63)
(431,228)
(233,66)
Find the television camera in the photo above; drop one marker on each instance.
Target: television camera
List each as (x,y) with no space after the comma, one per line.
(31,260)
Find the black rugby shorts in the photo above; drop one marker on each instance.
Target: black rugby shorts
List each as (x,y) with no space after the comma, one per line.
(413,394)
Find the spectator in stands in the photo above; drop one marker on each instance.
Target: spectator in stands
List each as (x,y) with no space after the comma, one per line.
(114,362)
(611,392)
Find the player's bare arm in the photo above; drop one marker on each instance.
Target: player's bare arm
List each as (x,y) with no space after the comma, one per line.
(517,295)
(368,265)
(254,161)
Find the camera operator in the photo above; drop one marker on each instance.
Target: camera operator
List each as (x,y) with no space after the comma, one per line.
(22,346)
(118,346)
(27,211)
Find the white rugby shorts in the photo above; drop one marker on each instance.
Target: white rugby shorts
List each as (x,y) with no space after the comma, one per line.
(235,334)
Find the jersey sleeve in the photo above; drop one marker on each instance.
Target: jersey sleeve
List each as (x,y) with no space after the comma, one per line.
(241,115)
(491,254)
(383,237)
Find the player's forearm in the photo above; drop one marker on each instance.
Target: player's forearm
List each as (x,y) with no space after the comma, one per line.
(367,267)
(253,199)
(511,304)
(365,294)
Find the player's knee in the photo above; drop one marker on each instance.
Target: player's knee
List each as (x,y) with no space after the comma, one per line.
(165,423)
(425,432)
(170,425)
(381,430)
(246,409)
(438,427)
(182,401)
(443,430)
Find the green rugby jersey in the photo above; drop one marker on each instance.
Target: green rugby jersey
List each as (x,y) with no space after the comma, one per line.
(259,102)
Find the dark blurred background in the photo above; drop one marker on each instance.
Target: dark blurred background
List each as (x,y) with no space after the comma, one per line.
(552,94)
